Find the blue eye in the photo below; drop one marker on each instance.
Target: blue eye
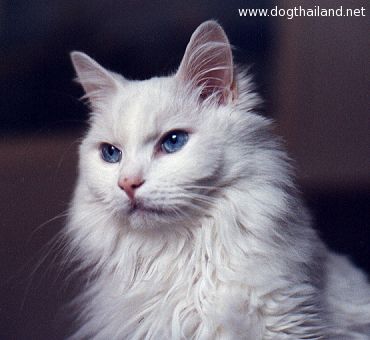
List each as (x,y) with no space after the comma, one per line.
(110,153)
(174,141)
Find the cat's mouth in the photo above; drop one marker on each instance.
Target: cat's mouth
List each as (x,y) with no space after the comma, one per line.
(137,207)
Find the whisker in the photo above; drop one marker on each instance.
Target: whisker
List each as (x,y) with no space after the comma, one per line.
(52,245)
(42,225)
(200,186)
(195,197)
(181,213)
(68,149)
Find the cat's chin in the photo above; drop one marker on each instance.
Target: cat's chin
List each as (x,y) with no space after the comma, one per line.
(141,216)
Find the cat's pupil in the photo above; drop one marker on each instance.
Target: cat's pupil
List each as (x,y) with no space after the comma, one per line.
(173,139)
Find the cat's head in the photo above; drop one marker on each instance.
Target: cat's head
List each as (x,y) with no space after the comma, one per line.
(161,151)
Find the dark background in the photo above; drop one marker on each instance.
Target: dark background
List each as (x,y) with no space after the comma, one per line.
(312,72)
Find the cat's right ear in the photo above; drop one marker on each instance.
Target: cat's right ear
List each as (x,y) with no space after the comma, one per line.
(97,82)
(208,64)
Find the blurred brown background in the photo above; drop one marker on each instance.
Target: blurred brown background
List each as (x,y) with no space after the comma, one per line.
(313,72)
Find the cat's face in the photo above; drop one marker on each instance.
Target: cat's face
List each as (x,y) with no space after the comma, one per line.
(159,151)
(171,152)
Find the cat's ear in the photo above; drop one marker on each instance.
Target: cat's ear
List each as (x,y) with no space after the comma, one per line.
(208,63)
(97,82)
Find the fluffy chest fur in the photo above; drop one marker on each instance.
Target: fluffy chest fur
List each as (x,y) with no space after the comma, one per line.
(218,281)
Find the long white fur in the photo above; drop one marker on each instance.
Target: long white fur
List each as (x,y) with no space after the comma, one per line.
(234,255)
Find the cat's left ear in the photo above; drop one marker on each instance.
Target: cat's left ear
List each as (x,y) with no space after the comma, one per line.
(208,63)
(98,83)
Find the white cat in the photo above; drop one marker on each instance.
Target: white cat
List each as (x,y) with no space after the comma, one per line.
(186,217)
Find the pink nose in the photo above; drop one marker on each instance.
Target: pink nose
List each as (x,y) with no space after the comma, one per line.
(129,185)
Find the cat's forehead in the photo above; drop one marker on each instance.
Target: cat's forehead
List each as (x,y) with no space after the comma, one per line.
(146,101)
(147,108)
